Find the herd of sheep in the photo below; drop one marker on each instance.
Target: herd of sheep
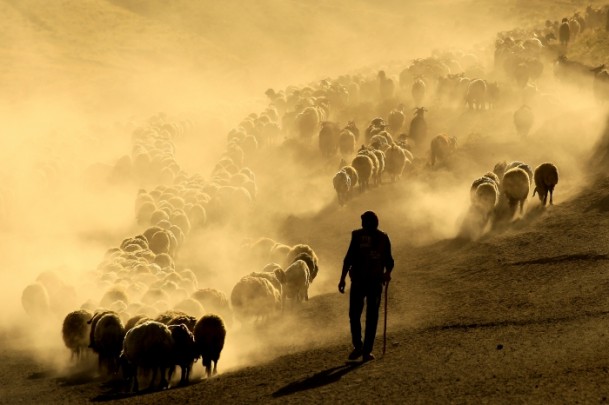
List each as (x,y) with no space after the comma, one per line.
(152,314)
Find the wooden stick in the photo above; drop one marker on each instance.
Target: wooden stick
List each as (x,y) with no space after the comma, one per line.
(385,322)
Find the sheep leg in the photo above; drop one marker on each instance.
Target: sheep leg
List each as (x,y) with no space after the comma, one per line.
(521,206)
(215,367)
(164,383)
(185,375)
(135,387)
(154,372)
(551,192)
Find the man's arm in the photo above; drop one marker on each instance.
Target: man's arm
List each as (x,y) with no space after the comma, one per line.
(347,264)
(389,263)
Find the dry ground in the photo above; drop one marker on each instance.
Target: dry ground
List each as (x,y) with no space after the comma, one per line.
(519,316)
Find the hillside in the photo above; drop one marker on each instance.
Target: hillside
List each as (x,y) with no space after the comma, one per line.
(517,316)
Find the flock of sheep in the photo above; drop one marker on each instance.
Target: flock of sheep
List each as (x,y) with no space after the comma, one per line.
(499,194)
(152,313)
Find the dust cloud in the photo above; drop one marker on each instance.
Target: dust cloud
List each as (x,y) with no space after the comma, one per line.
(82,78)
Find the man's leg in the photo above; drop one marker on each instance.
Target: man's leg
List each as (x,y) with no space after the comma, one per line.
(356,305)
(373,303)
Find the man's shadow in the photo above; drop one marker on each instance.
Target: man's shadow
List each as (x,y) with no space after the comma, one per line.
(320,379)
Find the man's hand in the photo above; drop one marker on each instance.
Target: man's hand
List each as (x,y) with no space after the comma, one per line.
(341,286)
(386,277)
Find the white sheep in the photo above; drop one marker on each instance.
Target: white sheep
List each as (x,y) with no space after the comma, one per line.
(522,166)
(276,277)
(296,254)
(76,332)
(210,334)
(352,173)
(364,167)
(297,281)
(395,161)
(380,156)
(515,186)
(342,185)
(255,297)
(546,178)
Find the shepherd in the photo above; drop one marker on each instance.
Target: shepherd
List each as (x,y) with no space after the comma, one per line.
(369,264)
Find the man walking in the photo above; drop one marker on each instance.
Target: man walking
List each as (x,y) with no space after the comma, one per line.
(369,264)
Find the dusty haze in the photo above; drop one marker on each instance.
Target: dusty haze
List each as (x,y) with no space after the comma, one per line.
(79,76)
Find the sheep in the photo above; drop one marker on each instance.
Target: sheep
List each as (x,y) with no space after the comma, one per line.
(441,147)
(418,91)
(522,166)
(380,156)
(108,334)
(187,320)
(523,120)
(147,346)
(134,321)
(308,122)
(342,185)
(489,177)
(485,194)
(214,301)
(418,126)
(352,173)
(351,127)
(261,249)
(515,186)
(184,352)
(298,279)
(484,199)
(376,165)
(346,142)
(395,160)
(396,120)
(210,334)
(297,250)
(364,167)
(112,295)
(564,33)
(166,316)
(476,94)
(190,306)
(279,252)
(35,300)
(255,297)
(574,28)
(546,178)
(76,332)
(328,138)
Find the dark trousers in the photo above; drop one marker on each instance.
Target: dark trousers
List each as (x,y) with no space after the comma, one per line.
(370,292)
